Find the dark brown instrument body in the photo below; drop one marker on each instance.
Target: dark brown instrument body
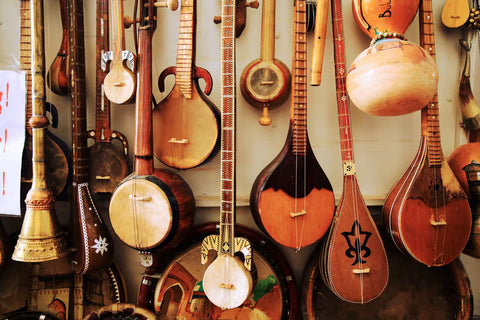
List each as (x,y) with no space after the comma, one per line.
(57,77)
(427,212)
(106,162)
(91,240)
(58,165)
(186,123)
(292,199)
(151,207)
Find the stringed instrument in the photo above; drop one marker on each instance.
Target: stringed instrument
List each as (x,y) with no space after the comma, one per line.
(90,237)
(354,263)
(427,212)
(120,82)
(151,207)
(403,74)
(186,123)
(58,167)
(240,15)
(265,82)
(57,77)
(292,199)
(227,281)
(107,163)
(455,13)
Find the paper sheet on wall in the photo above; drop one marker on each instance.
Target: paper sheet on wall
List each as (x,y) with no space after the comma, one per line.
(12,138)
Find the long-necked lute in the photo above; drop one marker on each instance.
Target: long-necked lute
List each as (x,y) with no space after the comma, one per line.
(120,82)
(354,263)
(91,241)
(57,76)
(186,123)
(151,207)
(427,212)
(107,163)
(292,199)
(265,82)
(58,167)
(227,281)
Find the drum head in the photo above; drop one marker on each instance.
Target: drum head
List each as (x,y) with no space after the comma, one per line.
(179,294)
(414,291)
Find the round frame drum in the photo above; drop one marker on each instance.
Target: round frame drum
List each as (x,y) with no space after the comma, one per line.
(179,294)
(414,291)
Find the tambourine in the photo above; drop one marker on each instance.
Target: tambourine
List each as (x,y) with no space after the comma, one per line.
(178,293)
(393,76)
(414,291)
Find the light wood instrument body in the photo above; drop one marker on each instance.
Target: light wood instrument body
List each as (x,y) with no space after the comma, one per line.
(227,283)
(265,82)
(57,77)
(455,13)
(90,237)
(427,212)
(106,162)
(404,76)
(186,123)
(354,263)
(157,204)
(58,171)
(376,16)
(292,199)
(120,82)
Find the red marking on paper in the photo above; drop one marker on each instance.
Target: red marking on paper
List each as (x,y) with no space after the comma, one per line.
(6,102)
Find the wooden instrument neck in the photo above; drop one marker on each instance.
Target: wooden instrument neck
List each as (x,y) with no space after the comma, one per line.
(430,113)
(143,111)
(102,104)
(118,39)
(345,126)
(26,55)
(298,110)
(228,176)
(78,92)
(267,49)
(186,47)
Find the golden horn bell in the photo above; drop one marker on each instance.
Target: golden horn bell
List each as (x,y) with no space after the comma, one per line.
(468,105)
(41,238)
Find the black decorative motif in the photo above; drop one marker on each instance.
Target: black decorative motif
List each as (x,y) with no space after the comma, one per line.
(355,250)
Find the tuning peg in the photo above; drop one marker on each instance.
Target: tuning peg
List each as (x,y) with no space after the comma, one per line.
(217,19)
(252,4)
(128,21)
(170,4)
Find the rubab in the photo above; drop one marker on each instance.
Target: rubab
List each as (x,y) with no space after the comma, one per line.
(354,263)
(265,82)
(91,240)
(106,162)
(120,82)
(227,281)
(41,238)
(57,77)
(186,123)
(151,207)
(455,13)
(58,167)
(292,199)
(427,212)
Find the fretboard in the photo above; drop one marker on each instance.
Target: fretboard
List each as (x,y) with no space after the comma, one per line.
(26,54)
(227,211)
(343,105)
(430,113)
(185,50)
(118,33)
(101,102)
(77,73)
(298,110)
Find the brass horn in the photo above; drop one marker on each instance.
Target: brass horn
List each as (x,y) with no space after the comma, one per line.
(41,238)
